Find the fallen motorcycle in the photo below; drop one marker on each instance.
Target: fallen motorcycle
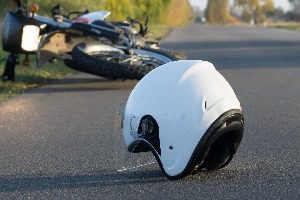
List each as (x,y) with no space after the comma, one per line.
(88,43)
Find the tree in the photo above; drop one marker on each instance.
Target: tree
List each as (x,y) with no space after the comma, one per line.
(217,11)
(249,9)
(157,10)
(294,14)
(255,11)
(137,8)
(268,6)
(5,6)
(295,4)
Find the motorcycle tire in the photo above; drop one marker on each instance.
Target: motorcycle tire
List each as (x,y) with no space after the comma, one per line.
(98,65)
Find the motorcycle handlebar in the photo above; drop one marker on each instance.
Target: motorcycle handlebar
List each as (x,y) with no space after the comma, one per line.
(59,10)
(143,27)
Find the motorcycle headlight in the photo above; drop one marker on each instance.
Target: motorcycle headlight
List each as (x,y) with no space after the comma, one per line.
(30,38)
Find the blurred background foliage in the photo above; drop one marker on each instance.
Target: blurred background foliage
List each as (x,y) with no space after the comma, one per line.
(252,11)
(173,12)
(247,11)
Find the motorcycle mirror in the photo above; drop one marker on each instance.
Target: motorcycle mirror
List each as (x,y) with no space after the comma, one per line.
(30,38)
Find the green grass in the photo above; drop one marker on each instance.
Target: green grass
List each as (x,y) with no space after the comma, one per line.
(286,25)
(158,31)
(28,77)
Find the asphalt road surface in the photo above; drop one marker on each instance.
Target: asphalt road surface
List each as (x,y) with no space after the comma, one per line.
(56,142)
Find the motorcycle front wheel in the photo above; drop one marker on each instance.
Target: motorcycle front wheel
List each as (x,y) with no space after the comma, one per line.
(117,65)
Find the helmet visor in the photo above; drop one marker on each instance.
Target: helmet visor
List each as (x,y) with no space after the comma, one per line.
(129,157)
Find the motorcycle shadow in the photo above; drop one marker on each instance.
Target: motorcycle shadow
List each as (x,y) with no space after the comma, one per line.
(84,83)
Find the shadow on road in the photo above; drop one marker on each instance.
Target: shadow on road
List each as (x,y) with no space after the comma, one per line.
(249,54)
(84,85)
(75,80)
(208,45)
(106,178)
(111,178)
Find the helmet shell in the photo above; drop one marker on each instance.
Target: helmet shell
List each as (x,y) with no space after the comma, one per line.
(184,98)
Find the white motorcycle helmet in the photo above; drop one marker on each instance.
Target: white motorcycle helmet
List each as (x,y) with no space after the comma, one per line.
(187,115)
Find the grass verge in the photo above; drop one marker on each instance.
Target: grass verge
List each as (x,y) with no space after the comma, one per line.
(28,77)
(286,25)
(158,32)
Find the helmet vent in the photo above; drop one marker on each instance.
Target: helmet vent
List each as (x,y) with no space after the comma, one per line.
(205,105)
